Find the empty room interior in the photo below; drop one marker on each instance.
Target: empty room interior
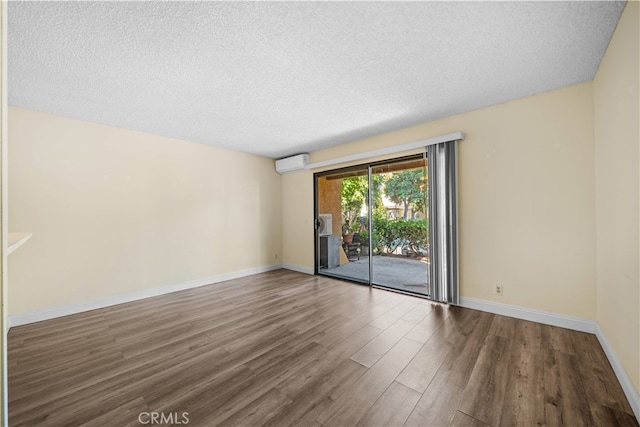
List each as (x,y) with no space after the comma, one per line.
(320,213)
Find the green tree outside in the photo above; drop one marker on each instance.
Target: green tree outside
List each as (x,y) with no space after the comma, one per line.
(355,192)
(407,188)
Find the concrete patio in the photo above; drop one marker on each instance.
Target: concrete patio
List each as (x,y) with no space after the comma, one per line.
(404,274)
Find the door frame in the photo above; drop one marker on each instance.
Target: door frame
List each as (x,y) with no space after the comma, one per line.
(359,167)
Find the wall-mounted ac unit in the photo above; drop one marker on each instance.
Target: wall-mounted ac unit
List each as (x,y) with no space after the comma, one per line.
(293,163)
(325,226)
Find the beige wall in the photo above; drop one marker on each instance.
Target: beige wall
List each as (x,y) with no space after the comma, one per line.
(526,193)
(297,220)
(114,211)
(617,138)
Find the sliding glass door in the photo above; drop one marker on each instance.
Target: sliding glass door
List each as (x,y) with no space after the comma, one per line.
(342,224)
(372,224)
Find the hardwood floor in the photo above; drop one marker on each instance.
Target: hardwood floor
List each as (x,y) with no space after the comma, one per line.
(283,348)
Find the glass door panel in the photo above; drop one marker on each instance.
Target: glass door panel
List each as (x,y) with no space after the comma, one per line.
(400,225)
(342,224)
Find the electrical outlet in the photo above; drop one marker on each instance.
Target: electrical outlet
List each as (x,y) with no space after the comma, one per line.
(498,290)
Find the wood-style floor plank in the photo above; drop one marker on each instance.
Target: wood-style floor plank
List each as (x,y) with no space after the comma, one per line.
(484,395)
(605,416)
(326,364)
(260,410)
(380,345)
(358,399)
(424,366)
(524,393)
(392,408)
(438,403)
(460,419)
(319,393)
(565,398)
(596,370)
(288,349)
(430,323)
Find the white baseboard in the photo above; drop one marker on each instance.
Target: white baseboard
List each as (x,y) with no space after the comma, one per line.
(66,310)
(627,385)
(569,322)
(299,268)
(545,317)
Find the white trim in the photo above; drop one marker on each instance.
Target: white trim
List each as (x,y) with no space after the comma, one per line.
(455,136)
(569,322)
(66,310)
(299,268)
(545,317)
(625,381)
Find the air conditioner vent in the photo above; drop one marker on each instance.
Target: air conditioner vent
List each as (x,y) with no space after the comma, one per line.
(292,164)
(326,225)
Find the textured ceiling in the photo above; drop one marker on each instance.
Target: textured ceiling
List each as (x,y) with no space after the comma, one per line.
(281,78)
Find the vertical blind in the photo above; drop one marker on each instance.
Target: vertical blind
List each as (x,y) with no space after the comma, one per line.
(443,221)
